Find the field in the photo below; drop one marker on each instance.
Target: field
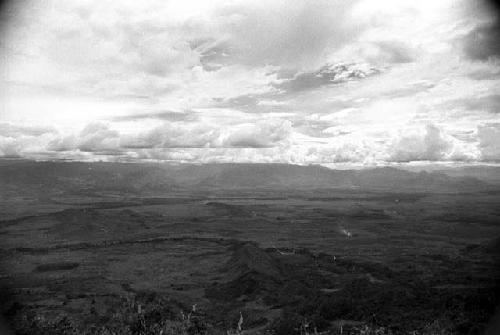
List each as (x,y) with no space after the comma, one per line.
(290,261)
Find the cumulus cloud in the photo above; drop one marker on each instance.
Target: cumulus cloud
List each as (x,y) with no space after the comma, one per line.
(10,147)
(66,143)
(429,144)
(272,140)
(488,141)
(18,140)
(261,134)
(171,135)
(95,137)
(101,138)
(98,137)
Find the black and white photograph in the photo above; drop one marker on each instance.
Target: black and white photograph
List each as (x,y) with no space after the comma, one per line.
(249,167)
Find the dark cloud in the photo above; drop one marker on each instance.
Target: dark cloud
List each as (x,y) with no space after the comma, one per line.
(326,75)
(482,43)
(329,74)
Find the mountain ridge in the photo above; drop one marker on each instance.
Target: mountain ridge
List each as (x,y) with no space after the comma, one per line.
(164,177)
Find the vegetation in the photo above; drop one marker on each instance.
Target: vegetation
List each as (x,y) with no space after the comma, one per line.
(199,259)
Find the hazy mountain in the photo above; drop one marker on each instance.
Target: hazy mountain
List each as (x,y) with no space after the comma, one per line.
(139,177)
(489,174)
(294,176)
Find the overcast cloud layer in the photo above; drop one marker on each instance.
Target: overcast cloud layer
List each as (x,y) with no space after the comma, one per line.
(326,81)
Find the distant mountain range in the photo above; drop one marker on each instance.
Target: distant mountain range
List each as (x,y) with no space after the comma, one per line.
(144,177)
(486,173)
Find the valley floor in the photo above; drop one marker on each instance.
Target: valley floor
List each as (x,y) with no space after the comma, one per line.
(286,262)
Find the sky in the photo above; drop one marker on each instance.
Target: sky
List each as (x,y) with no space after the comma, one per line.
(330,82)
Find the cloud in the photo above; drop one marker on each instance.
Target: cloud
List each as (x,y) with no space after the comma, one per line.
(101,138)
(213,54)
(283,81)
(170,135)
(284,88)
(17,140)
(488,103)
(272,140)
(9,147)
(292,34)
(326,75)
(410,89)
(66,143)
(261,134)
(161,115)
(152,49)
(12,130)
(482,42)
(478,106)
(489,73)
(381,52)
(393,52)
(429,144)
(96,137)
(488,141)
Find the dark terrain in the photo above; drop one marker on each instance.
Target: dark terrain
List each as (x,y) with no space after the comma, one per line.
(111,248)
